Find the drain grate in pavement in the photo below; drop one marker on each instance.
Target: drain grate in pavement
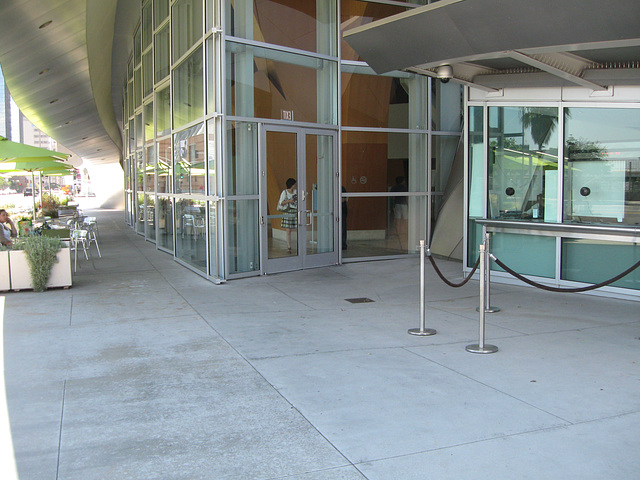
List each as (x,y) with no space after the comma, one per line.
(359,300)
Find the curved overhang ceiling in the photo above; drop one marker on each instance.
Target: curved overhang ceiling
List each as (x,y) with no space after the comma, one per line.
(492,44)
(56,57)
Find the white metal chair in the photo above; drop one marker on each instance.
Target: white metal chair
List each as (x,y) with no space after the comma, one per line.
(79,239)
(91,228)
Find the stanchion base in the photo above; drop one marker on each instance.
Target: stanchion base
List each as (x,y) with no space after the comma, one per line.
(421,333)
(475,348)
(489,309)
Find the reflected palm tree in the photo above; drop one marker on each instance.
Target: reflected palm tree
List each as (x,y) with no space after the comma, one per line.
(542,123)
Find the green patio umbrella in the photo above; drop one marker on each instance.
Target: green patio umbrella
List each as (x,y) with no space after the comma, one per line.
(40,164)
(10,150)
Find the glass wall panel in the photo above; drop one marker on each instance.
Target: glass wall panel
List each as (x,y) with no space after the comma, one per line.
(161,54)
(150,231)
(137,88)
(212,81)
(140,173)
(370,100)
(139,133)
(140,213)
(523,163)
(214,254)
(148,122)
(241,165)
(243,240)
(160,12)
(602,171)
(189,169)
(212,14)
(150,170)
(147,74)
(163,111)
(191,232)
(371,161)
(164,166)
(186,23)
(354,13)
(132,136)
(147,25)
(137,47)
(380,226)
(165,223)
(476,151)
(526,254)
(447,106)
(444,152)
(592,261)
(188,90)
(268,83)
(308,25)
(212,156)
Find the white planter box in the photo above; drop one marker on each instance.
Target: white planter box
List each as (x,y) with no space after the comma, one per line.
(21,276)
(5,279)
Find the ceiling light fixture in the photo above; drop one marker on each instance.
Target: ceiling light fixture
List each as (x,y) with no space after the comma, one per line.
(54,100)
(46,24)
(43,71)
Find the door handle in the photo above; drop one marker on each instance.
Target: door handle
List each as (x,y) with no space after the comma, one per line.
(308,212)
(262,220)
(299,220)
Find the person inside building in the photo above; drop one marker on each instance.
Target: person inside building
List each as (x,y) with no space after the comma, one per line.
(7,229)
(288,204)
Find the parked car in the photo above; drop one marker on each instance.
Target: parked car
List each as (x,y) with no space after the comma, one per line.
(28,192)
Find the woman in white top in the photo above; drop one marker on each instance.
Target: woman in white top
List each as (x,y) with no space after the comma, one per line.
(288,204)
(7,229)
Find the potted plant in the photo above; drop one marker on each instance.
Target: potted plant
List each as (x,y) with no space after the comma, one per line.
(39,262)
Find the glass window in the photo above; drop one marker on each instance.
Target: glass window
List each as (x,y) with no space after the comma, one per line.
(354,13)
(161,55)
(476,181)
(188,90)
(160,12)
(137,88)
(147,25)
(139,131)
(212,15)
(132,137)
(150,230)
(308,25)
(186,19)
(605,260)
(191,232)
(137,47)
(447,106)
(372,161)
(212,80)
(164,166)
(214,268)
(516,251)
(602,169)
(212,156)
(147,74)
(384,226)
(370,100)
(165,223)
(523,163)
(271,84)
(139,171)
(163,111)
(140,228)
(189,168)
(150,169)
(148,122)
(243,240)
(242,158)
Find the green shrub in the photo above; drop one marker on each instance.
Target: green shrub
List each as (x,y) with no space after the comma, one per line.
(41,254)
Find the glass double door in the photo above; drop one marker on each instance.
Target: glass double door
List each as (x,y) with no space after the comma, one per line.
(299,198)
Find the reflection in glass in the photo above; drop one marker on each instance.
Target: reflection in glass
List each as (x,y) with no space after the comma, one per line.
(526,254)
(188,90)
(242,158)
(149,169)
(242,236)
(147,74)
(211,156)
(165,223)
(523,163)
(161,50)
(163,111)
(354,13)
(307,25)
(214,254)
(268,83)
(150,231)
(379,226)
(212,80)
(148,122)
(137,87)
(602,170)
(147,25)
(189,168)
(186,19)
(191,230)
(139,163)
(160,12)
(319,188)
(140,212)
(447,106)
(476,147)
(164,166)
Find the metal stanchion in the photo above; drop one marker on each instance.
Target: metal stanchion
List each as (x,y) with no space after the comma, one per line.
(487,302)
(422,331)
(480,347)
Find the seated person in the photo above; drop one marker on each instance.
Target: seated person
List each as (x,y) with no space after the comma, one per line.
(7,229)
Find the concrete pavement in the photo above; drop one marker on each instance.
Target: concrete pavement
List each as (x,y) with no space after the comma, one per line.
(144,370)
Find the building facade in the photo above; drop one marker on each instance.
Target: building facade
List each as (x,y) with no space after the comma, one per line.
(227,100)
